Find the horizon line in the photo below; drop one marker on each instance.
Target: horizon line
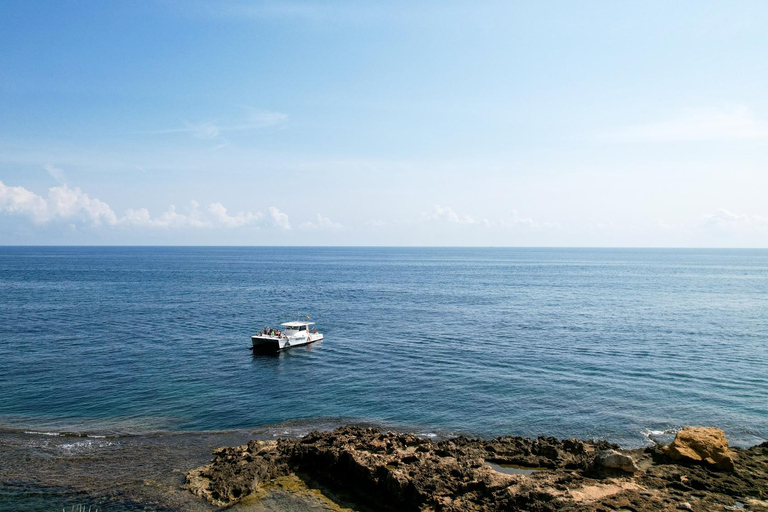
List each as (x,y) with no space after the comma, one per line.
(389,246)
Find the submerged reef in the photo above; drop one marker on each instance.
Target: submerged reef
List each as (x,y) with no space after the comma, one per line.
(391,471)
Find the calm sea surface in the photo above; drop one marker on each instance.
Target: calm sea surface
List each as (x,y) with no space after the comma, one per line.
(612,344)
(146,350)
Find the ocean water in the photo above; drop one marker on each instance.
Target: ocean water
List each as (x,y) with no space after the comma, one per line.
(610,344)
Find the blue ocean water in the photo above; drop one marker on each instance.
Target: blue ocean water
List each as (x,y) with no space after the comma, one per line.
(604,343)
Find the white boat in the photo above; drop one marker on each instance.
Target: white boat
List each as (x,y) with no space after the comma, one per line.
(295,334)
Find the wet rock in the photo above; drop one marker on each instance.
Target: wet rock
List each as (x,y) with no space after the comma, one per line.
(705,445)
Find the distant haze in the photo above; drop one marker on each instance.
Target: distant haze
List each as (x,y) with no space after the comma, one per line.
(591,123)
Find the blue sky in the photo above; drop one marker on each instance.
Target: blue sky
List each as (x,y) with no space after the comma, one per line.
(593,123)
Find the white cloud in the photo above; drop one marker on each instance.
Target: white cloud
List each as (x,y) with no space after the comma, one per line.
(205,130)
(62,203)
(323,223)
(22,201)
(55,172)
(259,119)
(219,213)
(279,219)
(74,205)
(138,217)
(446,214)
(724,221)
(171,218)
(515,220)
(215,130)
(224,143)
(703,124)
(67,203)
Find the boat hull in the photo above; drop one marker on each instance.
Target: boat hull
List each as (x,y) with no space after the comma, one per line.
(273,343)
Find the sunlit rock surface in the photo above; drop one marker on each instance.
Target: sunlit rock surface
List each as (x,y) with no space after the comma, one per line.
(395,471)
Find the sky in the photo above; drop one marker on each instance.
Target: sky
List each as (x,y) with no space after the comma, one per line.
(438,123)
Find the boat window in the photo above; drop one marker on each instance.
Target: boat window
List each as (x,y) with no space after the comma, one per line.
(303,328)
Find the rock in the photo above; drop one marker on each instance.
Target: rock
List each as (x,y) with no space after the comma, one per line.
(543,452)
(616,461)
(235,473)
(702,445)
(390,471)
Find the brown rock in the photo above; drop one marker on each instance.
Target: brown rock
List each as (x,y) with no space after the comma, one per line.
(235,473)
(703,445)
(389,471)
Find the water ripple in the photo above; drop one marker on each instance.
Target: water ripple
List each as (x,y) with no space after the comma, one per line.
(588,343)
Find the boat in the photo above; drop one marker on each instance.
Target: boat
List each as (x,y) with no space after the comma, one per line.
(295,334)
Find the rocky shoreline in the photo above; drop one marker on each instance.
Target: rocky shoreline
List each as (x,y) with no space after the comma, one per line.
(388,471)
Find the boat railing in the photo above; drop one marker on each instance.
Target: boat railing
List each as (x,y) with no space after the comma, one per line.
(283,335)
(273,334)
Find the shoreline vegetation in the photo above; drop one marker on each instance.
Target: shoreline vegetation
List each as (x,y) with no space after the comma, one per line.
(368,469)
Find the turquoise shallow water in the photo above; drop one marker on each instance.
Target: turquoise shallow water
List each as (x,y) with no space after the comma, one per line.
(611,344)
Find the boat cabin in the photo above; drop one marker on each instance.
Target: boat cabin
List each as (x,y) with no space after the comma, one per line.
(296,327)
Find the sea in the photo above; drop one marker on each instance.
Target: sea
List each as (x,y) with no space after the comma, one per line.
(113,357)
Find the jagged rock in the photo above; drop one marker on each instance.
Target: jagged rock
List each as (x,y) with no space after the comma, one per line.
(615,461)
(542,452)
(235,473)
(706,445)
(390,471)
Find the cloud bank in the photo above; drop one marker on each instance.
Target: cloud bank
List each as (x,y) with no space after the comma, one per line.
(727,222)
(322,223)
(64,203)
(447,215)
